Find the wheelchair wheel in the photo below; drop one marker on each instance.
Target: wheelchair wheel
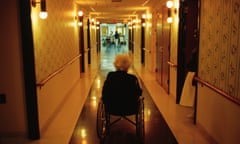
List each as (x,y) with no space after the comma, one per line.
(140,122)
(101,121)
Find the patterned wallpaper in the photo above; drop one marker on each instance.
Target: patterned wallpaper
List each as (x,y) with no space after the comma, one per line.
(219,57)
(55,38)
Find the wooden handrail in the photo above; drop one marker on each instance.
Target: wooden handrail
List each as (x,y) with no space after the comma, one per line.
(147,50)
(172,64)
(222,93)
(86,50)
(44,81)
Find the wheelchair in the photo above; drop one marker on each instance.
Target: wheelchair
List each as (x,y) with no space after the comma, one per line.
(104,122)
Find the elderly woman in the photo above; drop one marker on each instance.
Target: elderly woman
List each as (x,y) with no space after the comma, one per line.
(121,90)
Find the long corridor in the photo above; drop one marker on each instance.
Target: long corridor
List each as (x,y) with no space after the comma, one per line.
(156,129)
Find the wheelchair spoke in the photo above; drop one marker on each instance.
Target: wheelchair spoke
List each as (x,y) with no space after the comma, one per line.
(101,121)
(104,123)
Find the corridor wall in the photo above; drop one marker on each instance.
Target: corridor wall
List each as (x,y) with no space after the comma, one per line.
(55,45)
(219,66)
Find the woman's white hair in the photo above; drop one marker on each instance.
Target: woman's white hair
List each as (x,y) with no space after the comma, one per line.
(122,62)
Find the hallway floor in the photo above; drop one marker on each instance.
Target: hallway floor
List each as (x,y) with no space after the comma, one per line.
(165,121)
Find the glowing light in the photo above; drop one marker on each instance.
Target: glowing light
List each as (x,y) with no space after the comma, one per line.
(134,21)
(169,20)
(80,23)
(83,133)
(93,98)
(98,83)
(43,15)
(94,101)
(169,4)
(84,141)
(80,13)
(144,16)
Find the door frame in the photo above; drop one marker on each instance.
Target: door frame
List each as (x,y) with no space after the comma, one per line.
(29,70)
(188,45)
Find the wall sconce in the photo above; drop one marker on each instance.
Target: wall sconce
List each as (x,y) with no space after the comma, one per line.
(80,23)
(92,20)
(134,22)
(80,18)
(98,23)
(93,23)
(80,13)
(130,25)
(144,16)
(169,5)
(169,18)
(43,13)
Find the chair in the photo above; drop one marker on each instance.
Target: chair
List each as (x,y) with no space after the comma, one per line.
(105,112)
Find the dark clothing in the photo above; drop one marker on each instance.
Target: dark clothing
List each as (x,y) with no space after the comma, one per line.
(116,35)
(120,93)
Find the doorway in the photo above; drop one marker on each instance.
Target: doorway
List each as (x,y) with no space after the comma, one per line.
(110,45)
(187,42)
(163,46)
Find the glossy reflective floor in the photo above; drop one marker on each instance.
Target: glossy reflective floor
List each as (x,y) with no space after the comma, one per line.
(123,132)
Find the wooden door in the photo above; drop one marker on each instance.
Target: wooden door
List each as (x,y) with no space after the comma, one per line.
(159,48)
(163,46)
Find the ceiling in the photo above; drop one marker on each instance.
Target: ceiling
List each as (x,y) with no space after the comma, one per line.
(113,11)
